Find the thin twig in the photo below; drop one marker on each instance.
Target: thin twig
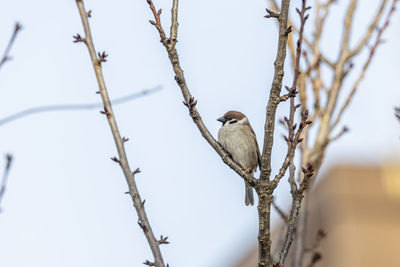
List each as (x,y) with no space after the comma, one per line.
(397,112)
(339,74)
(306,41)
(6,57)
(119,142)
(293,139)
(74,107)
(338,135)
(321,234)
(363,42)
(291,180)
(316,256)
(6,172)
(297,197)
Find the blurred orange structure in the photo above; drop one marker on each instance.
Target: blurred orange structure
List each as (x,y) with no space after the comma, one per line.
(359,209)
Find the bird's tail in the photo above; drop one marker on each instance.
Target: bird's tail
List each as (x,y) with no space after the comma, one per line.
(249,197)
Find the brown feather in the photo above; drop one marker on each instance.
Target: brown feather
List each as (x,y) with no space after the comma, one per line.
(234,114)
(258,149)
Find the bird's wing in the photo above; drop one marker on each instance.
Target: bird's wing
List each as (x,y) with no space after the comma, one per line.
(258,149)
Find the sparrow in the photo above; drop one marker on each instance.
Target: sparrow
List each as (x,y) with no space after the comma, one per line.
(238,139)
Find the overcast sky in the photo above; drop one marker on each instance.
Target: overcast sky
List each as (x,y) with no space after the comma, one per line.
(65,203)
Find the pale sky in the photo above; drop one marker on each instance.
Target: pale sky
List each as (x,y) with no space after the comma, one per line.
(65,203)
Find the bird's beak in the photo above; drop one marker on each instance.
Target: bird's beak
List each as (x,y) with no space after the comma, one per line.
(222,119)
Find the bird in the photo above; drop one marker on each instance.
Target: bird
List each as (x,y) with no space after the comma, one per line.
(237,137)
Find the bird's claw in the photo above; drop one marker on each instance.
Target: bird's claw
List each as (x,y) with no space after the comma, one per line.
(227,155)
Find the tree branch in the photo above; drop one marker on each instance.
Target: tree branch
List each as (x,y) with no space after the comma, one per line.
(397,112)
(174,21)
(119,142)
(189,100)
(6,172)
(337,82)
(347,26)
(369,32)
(6,57)
(306,41)
(73,107)
(371,54)
(293,138)
(274,95)
(297,197)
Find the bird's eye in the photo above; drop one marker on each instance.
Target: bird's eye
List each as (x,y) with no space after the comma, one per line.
(229,118)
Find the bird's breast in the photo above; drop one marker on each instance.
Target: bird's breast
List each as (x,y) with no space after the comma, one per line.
(239,144)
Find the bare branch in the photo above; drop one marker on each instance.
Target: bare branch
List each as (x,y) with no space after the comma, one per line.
(174,22)
(119,142)
(264,192)
(291,180)
(369,32)
(294,137)
(271,14)
(316,257)
(340,134)
(6,172)
(274,96)
(157,23)
(371,54)
(189,100)
(397,112)
(293,140)
(321,234)
(6,57)
(75,107)
(347,26)
(312,46)
(338,76)
(297,197)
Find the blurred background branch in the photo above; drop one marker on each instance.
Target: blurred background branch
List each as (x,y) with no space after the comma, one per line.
(4,180)
(6,55)
(320,95)
(9,158)
(76,107)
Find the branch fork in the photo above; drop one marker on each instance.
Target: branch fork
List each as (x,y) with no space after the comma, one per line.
(271,14)
(263,186)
